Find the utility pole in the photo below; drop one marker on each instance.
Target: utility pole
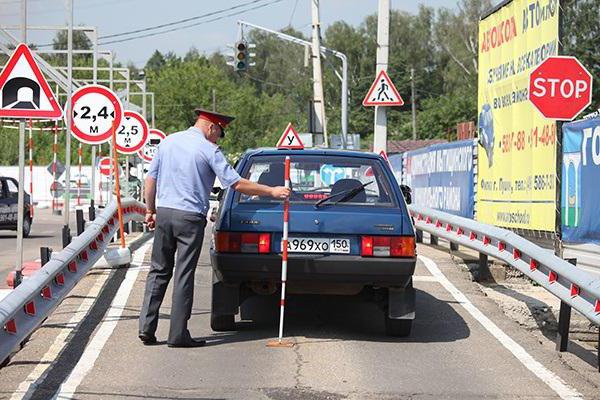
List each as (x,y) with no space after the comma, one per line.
(214,100)
(66,234)
(413,104)
(383,39)
(318,97)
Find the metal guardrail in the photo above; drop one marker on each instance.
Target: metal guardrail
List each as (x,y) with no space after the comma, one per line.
(574,287)
(29,304)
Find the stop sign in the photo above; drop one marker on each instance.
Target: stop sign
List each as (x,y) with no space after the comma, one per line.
(560,87)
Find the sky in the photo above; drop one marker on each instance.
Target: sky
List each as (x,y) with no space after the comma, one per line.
(117,16)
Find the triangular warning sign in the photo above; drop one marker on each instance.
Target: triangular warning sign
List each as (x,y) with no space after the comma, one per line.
(24,92)
(383,92)
(290,139)
(384,155)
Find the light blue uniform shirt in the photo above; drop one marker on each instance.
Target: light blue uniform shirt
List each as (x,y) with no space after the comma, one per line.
(185,166)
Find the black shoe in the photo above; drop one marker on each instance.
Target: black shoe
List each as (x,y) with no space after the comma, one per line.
(189,343)
(147,338)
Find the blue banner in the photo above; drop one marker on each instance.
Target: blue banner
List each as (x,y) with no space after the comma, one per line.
(580,181)
(442,177)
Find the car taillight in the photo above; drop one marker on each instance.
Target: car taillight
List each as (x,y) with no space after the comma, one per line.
(234,242)
(387,246)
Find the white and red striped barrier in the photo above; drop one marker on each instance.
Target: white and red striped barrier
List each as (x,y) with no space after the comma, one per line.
(24,309)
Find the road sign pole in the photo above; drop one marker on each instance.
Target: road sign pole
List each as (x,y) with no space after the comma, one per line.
(383,34)
(92,209)
(20,196)
(66,230)
(54,149)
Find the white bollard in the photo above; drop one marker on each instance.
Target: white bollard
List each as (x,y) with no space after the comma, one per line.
(119,256)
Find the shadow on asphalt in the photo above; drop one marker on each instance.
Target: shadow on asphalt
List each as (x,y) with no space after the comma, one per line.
(340,318)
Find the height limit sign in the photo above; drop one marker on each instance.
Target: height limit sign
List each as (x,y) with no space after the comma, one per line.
(96,112)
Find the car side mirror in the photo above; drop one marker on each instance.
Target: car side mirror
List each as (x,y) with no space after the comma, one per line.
(407,193)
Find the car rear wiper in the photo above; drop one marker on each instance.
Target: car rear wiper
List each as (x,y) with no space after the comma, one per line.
(346,194)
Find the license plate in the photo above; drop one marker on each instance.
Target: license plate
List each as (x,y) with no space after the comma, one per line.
(318,245)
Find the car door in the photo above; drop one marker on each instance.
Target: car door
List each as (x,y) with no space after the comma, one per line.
(4,204)
(13,198)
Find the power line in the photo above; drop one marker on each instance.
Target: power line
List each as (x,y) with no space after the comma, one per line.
(192,25)
(181,21)
(293,12)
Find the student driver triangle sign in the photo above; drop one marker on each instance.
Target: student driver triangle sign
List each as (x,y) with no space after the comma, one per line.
(290,139)
(24,92)
(383,92)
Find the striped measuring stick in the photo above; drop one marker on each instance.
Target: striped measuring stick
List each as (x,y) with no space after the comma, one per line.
(31,167)
(284,245)
(80,161)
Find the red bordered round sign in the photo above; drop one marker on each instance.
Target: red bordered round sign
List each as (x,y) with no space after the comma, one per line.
(96,110)
(132,133)
(147,152)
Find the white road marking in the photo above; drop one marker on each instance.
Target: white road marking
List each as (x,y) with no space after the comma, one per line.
(548,377)
(425,278)
(37,376)
(92,351)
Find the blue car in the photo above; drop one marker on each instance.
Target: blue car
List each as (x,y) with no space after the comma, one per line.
(349,232)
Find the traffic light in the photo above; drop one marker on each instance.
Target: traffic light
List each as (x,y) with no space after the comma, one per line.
(241,56)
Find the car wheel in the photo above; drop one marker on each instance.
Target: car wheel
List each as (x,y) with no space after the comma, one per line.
(26,227)
(222,323)
(398,327)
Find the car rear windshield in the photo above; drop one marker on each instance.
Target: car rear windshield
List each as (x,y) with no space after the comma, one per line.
(351,180)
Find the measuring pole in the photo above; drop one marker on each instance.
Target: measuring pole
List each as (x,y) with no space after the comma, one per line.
(30,143)
(413,103)
(118,190)
(383,38)
(54,151)
(66,234)
(79,164)
(100,175)
(141,173)
(318,97)
(284,260)
(21,195)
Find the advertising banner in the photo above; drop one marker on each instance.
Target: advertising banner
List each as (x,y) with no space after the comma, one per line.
(580,178)
(442,177)
(517,161)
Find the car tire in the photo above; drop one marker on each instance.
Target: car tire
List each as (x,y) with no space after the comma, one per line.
(398,327)
(222,323)
(26,227)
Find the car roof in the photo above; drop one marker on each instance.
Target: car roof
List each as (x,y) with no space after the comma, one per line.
(271,151)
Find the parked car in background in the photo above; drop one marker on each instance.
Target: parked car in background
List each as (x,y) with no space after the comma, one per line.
(9,192)
(350,232)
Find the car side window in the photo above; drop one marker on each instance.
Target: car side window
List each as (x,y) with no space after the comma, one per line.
(13,189)
(3,190)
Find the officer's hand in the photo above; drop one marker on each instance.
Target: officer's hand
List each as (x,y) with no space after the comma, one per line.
(150,220)
(280,192)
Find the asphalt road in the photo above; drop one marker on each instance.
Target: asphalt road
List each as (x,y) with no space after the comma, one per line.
(46,230)
(462,347)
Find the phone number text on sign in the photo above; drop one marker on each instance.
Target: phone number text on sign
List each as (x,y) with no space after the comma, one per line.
(538,137)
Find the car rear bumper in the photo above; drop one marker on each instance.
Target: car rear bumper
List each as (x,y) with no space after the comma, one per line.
(384,272)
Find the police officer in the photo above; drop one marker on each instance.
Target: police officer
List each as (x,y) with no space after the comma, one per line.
(177,188)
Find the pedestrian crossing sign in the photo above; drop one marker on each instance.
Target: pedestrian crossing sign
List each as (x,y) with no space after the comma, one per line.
(383,92)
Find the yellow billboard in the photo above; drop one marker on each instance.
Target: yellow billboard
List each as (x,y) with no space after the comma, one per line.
(516,185)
